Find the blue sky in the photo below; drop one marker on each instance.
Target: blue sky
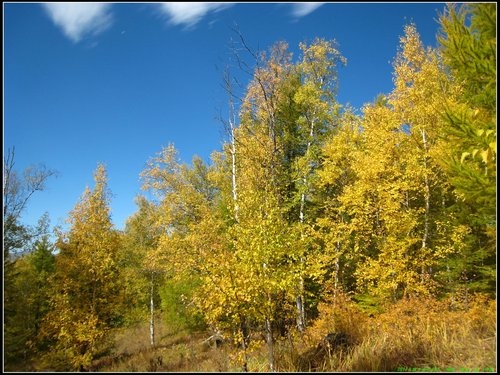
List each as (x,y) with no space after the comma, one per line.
(114,82)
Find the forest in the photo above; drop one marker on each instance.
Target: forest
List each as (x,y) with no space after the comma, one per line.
(317,239)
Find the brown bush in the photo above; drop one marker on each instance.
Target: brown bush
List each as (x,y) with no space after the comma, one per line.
(414,333)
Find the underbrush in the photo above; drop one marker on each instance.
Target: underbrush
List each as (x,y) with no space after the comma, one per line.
(174,351)
(418,334)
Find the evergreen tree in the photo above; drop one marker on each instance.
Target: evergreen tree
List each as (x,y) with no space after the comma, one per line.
(31,291)
(468,45)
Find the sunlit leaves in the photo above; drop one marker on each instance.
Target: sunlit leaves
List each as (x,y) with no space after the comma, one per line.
(85,289)
(388,190)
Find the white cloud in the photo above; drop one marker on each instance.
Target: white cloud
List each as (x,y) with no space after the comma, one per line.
(79,19)
(303,9)
(189,13)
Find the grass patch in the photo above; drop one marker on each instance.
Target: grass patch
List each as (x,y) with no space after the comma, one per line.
(418,334)
(181,351)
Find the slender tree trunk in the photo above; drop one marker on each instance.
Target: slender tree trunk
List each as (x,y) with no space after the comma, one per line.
(233,170)
(337,269)
(270,345)
(427,194)
(301,315)
(152,310)
(232,125)
(232,121)
(301,323)
(427,198)
(304,178)
(244,335)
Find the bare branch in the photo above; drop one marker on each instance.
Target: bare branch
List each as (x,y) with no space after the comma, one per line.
(16,190)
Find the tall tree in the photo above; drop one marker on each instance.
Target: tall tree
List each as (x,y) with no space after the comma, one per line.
(394,207)
(86,291)
(262,229)
(19,239)
(336,261)
(31,290)
(286,112)
(138,266)
(468,46)
(318,110)
(421,89)
(189,244)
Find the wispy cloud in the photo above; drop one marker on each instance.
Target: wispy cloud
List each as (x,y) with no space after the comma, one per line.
(79,19)
(303,9)
(189,13)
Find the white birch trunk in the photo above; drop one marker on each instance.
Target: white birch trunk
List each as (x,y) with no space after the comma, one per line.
(301,316)
(337,269)
(152,311)
(233,170)
(427,198)
(270,345)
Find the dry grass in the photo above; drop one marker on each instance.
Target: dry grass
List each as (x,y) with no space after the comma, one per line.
(416,334)
(180,351)
(413,334)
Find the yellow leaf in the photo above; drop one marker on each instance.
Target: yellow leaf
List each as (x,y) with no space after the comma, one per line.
(485,155)
(464,155)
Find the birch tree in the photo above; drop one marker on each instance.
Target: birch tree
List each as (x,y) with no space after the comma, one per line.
(138,265)
(421,89)
(315,98)
(85,289)
(393,211)
(261,242)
